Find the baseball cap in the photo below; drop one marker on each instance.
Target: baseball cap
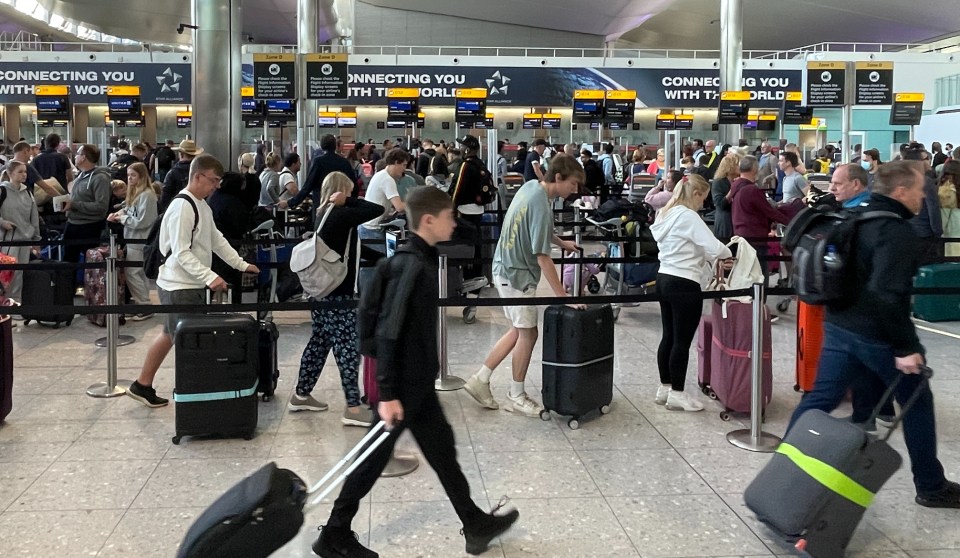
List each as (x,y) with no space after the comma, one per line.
(469,142)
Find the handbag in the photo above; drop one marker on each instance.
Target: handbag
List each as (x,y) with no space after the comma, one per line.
(320,268)
(745,271)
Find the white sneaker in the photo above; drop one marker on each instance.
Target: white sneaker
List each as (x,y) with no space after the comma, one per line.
(663,390)
(306,403)
(523,405)
(682,401)
(480,392)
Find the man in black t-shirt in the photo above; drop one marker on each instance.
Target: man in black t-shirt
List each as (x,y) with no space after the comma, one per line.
(531,168)
(53,164)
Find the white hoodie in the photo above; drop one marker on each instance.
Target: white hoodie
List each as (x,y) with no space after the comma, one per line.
(687,247)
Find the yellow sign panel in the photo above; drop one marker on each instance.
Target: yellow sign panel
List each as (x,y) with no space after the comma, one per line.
(551,115)
(753,115)
(815,123)
(184,113)
(246,91)
(421,115)
(735,96)
(403,92)
(909,98)
(685,117)
(346,115)
(826,65)
(533,115)
(874,65)
(795,96)
(472,93)
(51,90)
(666,117)
(622,95)
(768,117)
(323,114)
(489,115)
(125,90)
(588,94)
(274,57)
(325,57)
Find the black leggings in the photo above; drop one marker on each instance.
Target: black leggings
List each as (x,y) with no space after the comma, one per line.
(680,312)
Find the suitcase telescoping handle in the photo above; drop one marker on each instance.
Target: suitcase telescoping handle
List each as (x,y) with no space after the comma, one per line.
(383,435)
(926,373)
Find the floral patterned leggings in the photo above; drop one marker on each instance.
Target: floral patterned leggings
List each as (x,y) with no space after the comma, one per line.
(332,329)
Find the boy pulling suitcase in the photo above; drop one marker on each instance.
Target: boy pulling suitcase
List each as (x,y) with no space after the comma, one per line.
(407,360)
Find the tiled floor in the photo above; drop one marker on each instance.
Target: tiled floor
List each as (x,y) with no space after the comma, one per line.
(90,477)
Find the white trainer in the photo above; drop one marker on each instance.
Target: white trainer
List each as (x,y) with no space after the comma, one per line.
(663,390)
(682,401)
(480,392)
(306,403)
(522,405)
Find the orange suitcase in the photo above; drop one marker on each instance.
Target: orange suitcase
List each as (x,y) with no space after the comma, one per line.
(809,343)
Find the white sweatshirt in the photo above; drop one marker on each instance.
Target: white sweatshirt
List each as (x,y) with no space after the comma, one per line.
(687,247)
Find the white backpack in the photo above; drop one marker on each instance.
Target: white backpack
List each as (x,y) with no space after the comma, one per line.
(745,272)
(320,268)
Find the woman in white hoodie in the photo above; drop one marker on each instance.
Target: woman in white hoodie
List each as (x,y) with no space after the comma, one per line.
(687,249)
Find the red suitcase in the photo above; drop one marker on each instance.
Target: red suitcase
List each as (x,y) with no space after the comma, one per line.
(730,358)
(704,342)
(809,344)
(370,389)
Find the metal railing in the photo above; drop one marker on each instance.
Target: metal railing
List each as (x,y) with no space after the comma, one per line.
(845,48)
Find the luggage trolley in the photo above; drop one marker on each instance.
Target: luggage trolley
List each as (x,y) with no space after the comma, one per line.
(621,279)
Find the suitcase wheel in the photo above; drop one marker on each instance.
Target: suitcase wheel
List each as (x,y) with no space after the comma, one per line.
(711,394)
(574,424)
(248,436)
(724,416)
(796,387)
(176,440)
(544,415)
(267,397)
(783,305)
(605,409)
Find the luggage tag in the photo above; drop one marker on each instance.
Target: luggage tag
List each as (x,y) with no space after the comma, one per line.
(220,297)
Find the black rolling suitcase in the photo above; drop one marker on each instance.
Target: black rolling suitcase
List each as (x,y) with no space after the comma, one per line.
(577,361)
(823,477)
(217,374)
(267,347)
(41,288)
(6,367)
(264,511)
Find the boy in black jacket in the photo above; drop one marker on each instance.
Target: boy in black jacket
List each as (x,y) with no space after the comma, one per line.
(406,348)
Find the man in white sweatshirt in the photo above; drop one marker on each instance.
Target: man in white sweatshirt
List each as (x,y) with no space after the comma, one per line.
(188,238)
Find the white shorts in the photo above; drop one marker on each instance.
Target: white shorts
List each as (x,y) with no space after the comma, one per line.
(521,317)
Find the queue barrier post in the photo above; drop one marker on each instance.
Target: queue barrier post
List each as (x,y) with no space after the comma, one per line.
(444,382)
(754,438)
(112,387)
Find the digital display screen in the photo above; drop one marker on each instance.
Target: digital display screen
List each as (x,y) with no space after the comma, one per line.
(594,125)
(906,114)
(327,122)
(588,111)
(253,123)
(51,109)
(618,110)
(551,123)
(402,110)
(666,124)
(532,123)
(282,109)
(122,108)
(184,121)
(397,124)
(684,123)
(766,125)
(750,125)
(618,126)
(347,122)
(485,124)
(733,112)
(795,113)
(470,111)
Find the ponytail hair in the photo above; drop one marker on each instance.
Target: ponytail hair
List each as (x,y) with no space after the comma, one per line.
(684,191)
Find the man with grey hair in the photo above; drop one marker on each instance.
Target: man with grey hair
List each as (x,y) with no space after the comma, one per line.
(848,184)
(752,213)
(767,162)
(571,150)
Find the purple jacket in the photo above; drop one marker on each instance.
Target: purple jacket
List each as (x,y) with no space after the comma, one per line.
(752,213)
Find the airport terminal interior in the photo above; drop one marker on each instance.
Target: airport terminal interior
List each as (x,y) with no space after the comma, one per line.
(95,476)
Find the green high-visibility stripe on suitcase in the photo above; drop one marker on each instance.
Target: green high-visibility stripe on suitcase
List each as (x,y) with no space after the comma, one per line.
(215,396)
(828,476)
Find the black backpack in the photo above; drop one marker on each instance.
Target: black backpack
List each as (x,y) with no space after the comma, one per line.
(165,157)
(153,256)
(118,168)
(823,244)
(624,209)
(371,301)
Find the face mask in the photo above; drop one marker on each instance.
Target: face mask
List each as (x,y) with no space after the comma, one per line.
(866,165)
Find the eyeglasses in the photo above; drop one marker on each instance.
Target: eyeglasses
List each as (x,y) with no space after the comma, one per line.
(214,179)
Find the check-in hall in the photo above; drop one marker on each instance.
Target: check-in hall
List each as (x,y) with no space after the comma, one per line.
(692,287)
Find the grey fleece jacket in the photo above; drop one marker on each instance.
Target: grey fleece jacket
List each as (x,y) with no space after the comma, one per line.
(20,210)
(90,197)
(140,217)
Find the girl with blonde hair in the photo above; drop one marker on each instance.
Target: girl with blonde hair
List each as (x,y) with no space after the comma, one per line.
(687,249)
(727,172)
(138,214)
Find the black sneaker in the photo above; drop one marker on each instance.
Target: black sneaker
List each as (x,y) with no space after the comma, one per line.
(335,542)
(486,529)
(946,497)
(146,395)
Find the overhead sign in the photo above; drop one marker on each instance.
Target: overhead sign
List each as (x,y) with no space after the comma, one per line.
(403,105)
(281,110)
(486,123)
(159,83)
(251,110)
(471,105)
(619,106)
(793,111)
(123,102)
(184,119)
(551,121)
(666,122)
(346,120)
(826,84)
(588,105)
(874,83)
(53,104)
(532,121)
(907,109)
(326,119)
(684,122)
(734,107)
(767,123)
(327,76)
(274,76)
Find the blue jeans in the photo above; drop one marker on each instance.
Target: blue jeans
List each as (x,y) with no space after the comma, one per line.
(850,358)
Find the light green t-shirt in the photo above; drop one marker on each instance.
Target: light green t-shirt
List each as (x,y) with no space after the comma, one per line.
(527,231)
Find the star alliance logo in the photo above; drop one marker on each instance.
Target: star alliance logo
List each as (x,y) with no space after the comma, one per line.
(497,84)
(169,81)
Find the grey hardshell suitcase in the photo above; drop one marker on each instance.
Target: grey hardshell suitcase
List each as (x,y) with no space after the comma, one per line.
(823,478)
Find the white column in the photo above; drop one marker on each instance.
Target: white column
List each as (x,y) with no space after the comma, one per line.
(731,59)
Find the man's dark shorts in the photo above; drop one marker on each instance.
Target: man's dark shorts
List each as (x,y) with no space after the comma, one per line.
(185,296)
